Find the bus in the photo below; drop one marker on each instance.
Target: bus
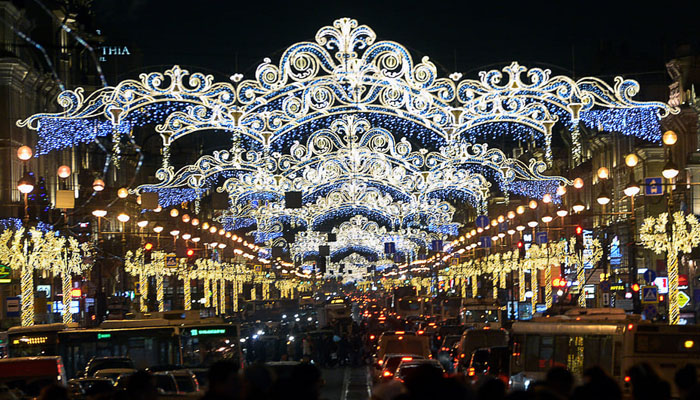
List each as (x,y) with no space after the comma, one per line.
(269,310)
(480,313)
(148,342)
(608,338)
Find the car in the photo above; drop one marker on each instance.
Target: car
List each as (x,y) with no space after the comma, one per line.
(166,383)
(80,388)
(186,381)
(447,351)
(113,373)
(489,361)
(391,363)
(408,367)
(97,363)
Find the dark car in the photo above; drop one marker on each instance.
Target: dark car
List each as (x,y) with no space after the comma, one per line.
(97,363)
(447,351)
(407,368)
(80,388)
(491,361)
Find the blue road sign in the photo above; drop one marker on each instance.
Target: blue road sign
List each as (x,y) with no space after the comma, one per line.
(541,237)
(389,248)
(437,245)
(503,227)
(605,286)
(12,307)
(653,186)
(650,295)
(650,311)
(485,242)
(649,276)
(482,221)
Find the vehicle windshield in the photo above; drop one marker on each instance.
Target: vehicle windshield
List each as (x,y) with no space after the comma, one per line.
(404,346)
(480,316)
(409,304)
(185,383)
(166,383)
(110,364)
(481,357)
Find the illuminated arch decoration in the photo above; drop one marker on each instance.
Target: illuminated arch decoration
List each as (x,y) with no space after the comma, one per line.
(347,116)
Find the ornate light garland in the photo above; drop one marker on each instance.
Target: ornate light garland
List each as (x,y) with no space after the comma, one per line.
(345,109)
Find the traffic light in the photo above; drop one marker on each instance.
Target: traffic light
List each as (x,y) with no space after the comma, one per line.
(579,239)
(521,249)
(147,252)
(635,287)
(190,256)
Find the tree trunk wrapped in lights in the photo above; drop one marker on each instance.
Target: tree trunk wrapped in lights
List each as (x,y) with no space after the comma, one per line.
(521,284)
(222,297)
(160,295)
(680,235)
(71,262)
(134,265)
(590,257)
(534,287)
(548,300)
(234,294)
(266,290)
(207,292)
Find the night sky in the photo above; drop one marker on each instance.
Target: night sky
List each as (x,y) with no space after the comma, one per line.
(570,37)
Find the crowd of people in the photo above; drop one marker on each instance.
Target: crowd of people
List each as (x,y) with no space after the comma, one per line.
(304,382)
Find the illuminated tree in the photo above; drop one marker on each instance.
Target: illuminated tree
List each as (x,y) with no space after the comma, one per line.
(671,237)
(38,251)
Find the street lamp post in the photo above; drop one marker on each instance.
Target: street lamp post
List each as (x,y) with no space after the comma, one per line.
(632,189)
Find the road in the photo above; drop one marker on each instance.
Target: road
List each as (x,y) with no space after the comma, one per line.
(345,383)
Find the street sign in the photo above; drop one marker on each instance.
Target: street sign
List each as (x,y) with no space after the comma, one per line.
(503,227)
(683,299)
(541,238)
(650,295)
(5,274)
(649,276)
(650,311)
(171,261)
(485,242)
(12,307)
(605,286)
(661,282)
(258,268)
(482,221)
(653,186)
(437,245)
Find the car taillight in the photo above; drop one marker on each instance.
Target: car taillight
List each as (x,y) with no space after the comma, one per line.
(471,372)
(627,379)
(371,337)
(406,358)
(381,362)
(461,355)
(387,374)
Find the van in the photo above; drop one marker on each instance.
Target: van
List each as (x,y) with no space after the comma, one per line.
(31,374)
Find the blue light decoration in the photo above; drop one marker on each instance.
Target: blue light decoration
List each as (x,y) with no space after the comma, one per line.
(174,196)
(59,133)
(643,122)
(536,190)
(16,224)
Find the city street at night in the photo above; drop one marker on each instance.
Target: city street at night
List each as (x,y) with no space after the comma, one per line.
(349,201)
